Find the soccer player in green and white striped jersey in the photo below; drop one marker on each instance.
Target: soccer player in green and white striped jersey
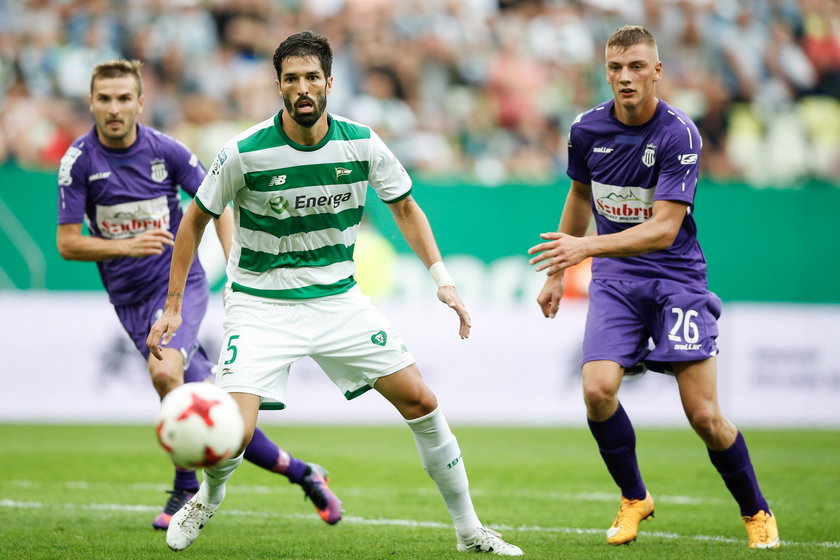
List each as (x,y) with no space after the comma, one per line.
(298,182)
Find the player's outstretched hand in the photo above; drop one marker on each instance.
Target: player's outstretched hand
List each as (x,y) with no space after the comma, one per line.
(449,296)
(162,332)
(150,242)
(558,253)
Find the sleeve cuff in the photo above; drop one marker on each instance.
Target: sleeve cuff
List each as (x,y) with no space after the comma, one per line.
(204,208)
(399,198)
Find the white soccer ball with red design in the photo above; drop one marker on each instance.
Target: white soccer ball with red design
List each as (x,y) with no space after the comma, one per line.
(199,425)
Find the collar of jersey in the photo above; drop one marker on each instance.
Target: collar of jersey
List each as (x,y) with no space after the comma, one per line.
(279,127)
(125,150)
(660,106)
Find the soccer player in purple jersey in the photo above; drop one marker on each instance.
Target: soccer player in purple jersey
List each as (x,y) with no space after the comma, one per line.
(122,180)
(633,162)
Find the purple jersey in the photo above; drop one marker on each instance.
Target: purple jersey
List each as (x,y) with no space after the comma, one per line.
(628,168)
(120,193)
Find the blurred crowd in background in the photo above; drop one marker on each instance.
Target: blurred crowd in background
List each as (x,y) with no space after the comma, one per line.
(483,90)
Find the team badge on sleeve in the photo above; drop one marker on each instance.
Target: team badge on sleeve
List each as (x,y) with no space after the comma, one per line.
(219,162)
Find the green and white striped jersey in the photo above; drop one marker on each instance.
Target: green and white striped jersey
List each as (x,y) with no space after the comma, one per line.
(297,208)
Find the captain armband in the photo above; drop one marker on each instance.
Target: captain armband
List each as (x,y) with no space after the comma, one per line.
(440,275)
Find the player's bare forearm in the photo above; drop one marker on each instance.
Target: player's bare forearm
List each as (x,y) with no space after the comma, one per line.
(653,235)
(73,246)
(415,228)
(561,250)
(189,236)
(186,245)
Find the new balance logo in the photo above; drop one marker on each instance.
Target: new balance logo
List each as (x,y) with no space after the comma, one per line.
(602,150)
(341,172)
(277,180)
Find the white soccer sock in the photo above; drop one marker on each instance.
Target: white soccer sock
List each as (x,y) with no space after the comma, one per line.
(213,487)
(441,457)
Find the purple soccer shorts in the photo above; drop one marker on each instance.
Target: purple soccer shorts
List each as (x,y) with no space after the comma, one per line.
(138,319)
(655,321)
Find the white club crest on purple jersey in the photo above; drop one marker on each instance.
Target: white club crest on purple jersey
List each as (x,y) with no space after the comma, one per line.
(159,172)
(649,157)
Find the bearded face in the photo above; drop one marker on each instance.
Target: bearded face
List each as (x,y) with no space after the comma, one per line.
(304,89)
(305,110)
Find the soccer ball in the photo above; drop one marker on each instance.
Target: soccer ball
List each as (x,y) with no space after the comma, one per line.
(199,425)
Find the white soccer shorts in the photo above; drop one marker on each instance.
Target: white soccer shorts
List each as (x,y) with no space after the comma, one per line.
(345,334)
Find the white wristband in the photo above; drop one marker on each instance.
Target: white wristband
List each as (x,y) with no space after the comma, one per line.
(440,275)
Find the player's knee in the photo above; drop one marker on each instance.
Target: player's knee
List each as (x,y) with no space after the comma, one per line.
(418,404)
(247,436)
(165,379)
(598,395)
(705,422)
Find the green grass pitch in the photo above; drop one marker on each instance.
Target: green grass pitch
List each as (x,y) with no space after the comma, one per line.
(84,492)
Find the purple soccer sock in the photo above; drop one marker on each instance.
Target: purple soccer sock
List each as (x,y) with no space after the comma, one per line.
(617,444)
(185,479)
(264,453)
(735,467)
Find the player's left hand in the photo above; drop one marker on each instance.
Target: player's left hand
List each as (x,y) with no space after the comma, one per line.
(449,296)
(557,254)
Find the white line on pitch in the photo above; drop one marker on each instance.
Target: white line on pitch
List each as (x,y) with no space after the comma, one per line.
(394,522)
(358,491)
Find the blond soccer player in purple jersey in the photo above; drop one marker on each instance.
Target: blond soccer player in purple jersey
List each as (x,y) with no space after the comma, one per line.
(122,180)
(633,162)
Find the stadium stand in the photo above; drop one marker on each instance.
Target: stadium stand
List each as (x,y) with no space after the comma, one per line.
(481,89)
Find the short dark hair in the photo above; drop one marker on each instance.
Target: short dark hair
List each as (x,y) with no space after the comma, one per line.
(308,45)
(629,35)
(117,69)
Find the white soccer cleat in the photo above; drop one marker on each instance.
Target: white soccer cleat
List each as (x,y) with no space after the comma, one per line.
(488,540)
(187,523)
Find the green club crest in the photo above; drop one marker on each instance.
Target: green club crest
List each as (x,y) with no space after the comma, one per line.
(278,204)
(379,338)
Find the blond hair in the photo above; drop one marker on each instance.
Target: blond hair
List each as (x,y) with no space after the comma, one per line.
(629,35)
